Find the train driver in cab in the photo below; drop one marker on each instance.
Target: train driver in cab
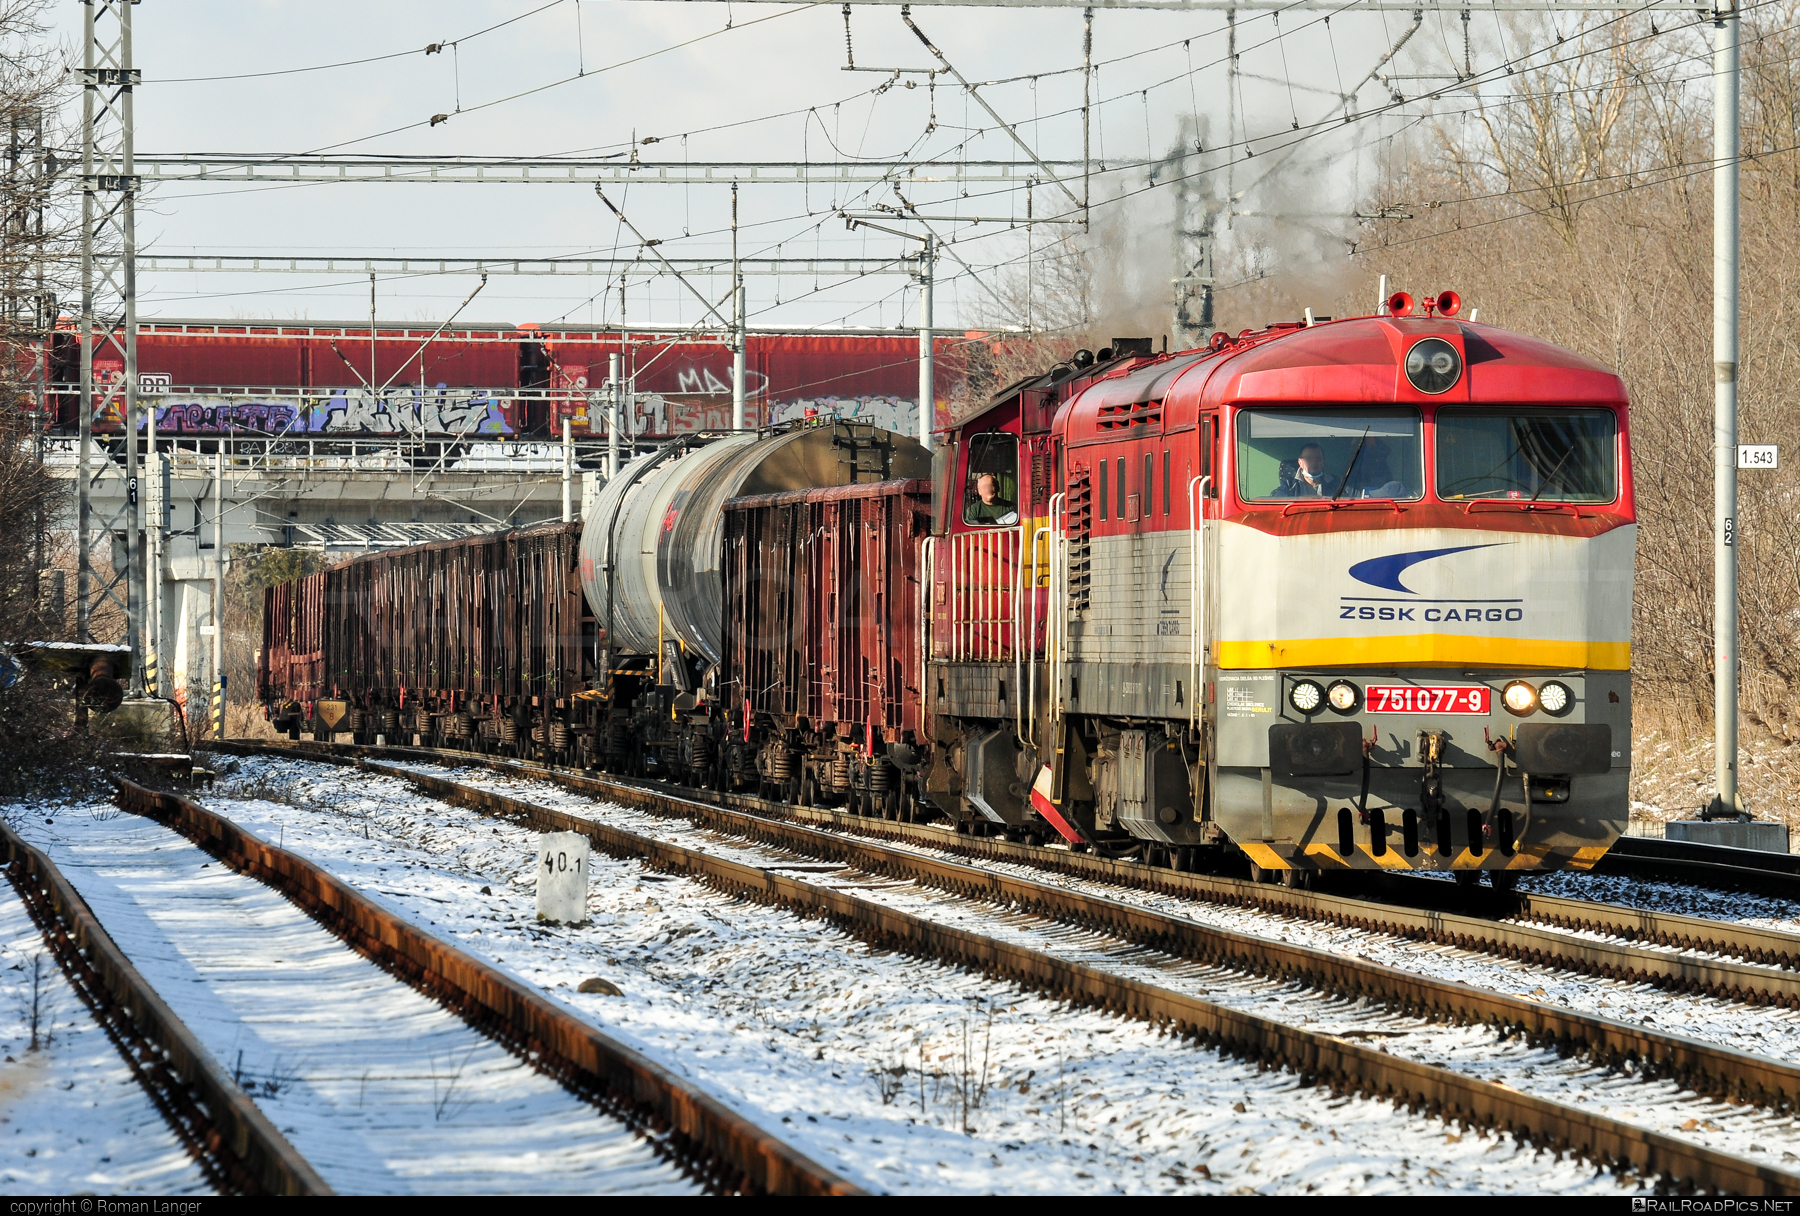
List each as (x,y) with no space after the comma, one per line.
(1306,477)
(986,506)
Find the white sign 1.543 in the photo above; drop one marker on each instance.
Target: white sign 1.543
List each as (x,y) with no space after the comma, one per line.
(1759,456)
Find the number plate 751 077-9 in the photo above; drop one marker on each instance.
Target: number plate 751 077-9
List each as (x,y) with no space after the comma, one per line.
(1407,699)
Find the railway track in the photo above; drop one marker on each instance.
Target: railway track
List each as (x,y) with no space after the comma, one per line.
(1317,1056)
(1693,954)
(1775,874)
(703,1139)
(235,1144)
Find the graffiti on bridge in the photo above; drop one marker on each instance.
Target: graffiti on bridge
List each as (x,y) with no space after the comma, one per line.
(336,412)
(476,413)
(440,411)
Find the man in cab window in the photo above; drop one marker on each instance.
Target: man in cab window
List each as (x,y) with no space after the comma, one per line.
(1306,477)
(987,507)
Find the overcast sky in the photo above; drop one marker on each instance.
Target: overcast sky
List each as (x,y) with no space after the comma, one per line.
(220,77)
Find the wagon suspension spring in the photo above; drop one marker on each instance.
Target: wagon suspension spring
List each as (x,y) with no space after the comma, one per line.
(781,764)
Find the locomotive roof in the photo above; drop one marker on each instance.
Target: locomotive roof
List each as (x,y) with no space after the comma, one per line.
(1351,361)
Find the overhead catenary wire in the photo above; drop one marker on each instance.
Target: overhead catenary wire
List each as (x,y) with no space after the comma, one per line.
(1310,131)
(536,89)
(428,49)
(1417,100)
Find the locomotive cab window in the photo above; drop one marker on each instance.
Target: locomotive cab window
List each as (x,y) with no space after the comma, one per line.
(1539,455)
(991,488)
(1329,453)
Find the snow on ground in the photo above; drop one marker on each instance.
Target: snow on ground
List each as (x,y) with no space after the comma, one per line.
(905,1075)
(72,1116)
(380,1088)
(1759,1030)
(1672,776)
(1746,1131)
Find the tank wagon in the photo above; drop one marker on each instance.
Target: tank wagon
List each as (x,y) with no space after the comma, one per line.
(595,643)
(1345,595)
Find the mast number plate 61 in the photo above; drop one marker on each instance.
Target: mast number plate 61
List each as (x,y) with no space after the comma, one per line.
(1406,699)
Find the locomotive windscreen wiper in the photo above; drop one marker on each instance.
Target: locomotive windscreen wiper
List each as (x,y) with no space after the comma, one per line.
(1344,484)
(1545,484)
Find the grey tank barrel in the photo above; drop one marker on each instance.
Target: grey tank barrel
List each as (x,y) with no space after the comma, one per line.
(651,547)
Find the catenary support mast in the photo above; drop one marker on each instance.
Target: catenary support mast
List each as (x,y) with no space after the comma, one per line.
(1725,374)
(108,328)
(927,380)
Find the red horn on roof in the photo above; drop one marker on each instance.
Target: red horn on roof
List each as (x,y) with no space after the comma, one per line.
(1448,303)
(1400,304)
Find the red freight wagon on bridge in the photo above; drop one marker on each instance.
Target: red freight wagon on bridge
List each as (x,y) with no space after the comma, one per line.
(300,379)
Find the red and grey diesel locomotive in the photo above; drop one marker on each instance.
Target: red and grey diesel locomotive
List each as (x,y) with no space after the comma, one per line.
(1345,595)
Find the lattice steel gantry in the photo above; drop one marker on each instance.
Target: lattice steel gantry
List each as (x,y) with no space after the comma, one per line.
(28,302)
(109,186)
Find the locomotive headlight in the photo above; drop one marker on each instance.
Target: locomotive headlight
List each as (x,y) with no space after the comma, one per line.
(1520,698)
(1555,698)
(1344,696)
(1433,366)
(1306,696)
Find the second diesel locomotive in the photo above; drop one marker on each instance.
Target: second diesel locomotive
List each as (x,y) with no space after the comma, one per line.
(1346,595)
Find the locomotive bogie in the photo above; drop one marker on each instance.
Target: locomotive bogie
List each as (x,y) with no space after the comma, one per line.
(1325,822)
(1143,781)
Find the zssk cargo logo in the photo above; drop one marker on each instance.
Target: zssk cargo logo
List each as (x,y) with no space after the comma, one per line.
(1383,574)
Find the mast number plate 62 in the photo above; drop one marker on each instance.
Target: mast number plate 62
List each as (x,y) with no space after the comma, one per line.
(1407,699)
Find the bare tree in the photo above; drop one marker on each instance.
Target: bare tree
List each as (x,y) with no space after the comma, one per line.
(38,227)
(37,233)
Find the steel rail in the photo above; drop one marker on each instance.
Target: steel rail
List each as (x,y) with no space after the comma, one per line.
(1318,1057)
(727,1151)
(1776,874)
(235,1143)
(1772,947)
(1769,974)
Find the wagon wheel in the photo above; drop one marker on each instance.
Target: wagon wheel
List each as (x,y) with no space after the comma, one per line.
(808,789)
(1296,879)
